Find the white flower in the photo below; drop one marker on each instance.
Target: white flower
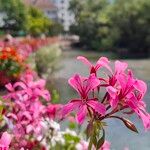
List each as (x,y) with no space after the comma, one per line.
(83,145)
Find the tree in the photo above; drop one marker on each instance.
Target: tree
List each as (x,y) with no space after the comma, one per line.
(13,14)
(90,26)
(117,24)
(37,23)
(131,21)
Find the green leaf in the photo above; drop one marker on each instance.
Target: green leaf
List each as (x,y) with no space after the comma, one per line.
(71,138)
(1,110)
(94,140)
(90,144)
(72,125)
(101,140)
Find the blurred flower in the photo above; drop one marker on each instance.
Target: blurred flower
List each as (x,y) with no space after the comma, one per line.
(106,146)
(5,141)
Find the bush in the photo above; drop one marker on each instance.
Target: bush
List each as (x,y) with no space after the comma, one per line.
(130,19)
(13,14)
(116,25)
(37,23)
(46,59)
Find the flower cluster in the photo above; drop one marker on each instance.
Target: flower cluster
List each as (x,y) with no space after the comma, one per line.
(25,109)
(11,64)
(123,93)
(28,45)
(14,53)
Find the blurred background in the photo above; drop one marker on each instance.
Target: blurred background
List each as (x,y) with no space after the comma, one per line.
(117,29)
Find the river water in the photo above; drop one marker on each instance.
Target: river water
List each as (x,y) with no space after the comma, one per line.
(116,133)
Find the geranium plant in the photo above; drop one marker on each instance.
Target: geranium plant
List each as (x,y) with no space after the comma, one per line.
(123,93)
(30,117)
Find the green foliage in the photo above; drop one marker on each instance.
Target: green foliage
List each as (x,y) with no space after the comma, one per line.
(47,59)
(1,112)
(55,29)
(88,25)
(10,66)
(131,21)
(121,24)
(37,23)
(14,14)
(96,134)
(70,141)
(20,19)
(55,97)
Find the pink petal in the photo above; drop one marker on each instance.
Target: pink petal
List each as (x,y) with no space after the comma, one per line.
(70,107)
(113,96)
(145,118)
(92,83)
(27,78)
(103,62)
(5,139)
(20,84)
(132,101)
(27,115)
(106,146)
(9,87)
(120,67)
(80,117)
(112,91)
(84,60)
(46,95)
(11,115)
(97,106)
(122,80)
(76,82)
(40,83)
(141,86)
(29,128)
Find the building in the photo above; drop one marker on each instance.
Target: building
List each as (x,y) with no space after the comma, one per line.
(54,9)
(65,16)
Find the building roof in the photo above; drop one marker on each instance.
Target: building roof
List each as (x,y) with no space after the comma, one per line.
(41,4)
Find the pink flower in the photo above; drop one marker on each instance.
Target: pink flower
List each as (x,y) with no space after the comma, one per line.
(139,107)
(53,110)
(124,86)
(5,141)
(27,86)
(102,62)
(83,87)
(106,146)
(83,145)
(26,109)
(130,92)
(120,68)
